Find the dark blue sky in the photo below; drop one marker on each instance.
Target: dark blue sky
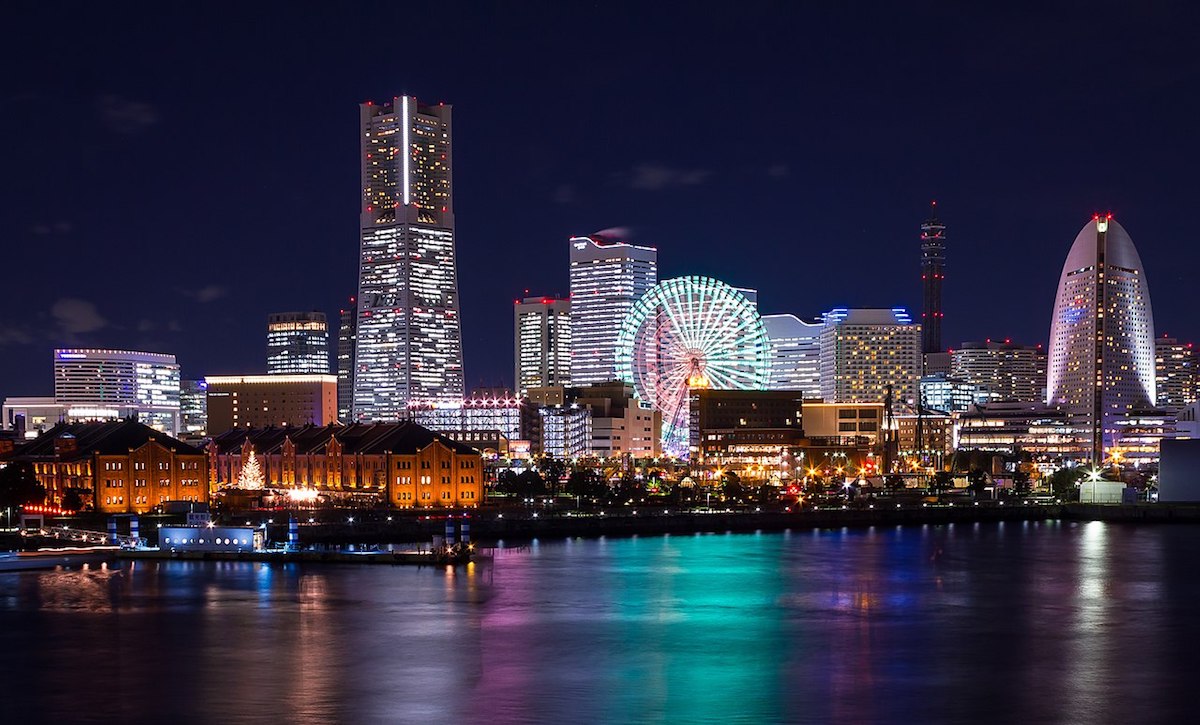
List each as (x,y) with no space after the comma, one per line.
(174,173)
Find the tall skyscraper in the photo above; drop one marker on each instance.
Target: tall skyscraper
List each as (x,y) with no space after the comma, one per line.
(1101,364)
(297,342)
(795,354)
(408,347)
(863,352)
(347,319)
(933,272)
(1008,371)
(1175,377)
(542,342)
(607,277)
(114,383)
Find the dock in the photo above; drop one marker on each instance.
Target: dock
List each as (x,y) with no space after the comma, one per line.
(280,556)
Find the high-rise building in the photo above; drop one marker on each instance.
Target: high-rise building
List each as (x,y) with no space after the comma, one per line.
(542,342)
(795,354)
(193,407)
(1101,364)
(297,343)
(145,384)
(933,272)
(347,318)
(864,353)
(1008,371)
(408,346)
(607,277)
(1175,378)
(263,401)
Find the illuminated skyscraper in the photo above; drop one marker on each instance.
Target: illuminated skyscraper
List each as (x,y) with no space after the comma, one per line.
(933,272)
(1175,373)
(863,352)
(297,342)
(345,360)
(607,277)
(408,347)
(101,384)
(1008,371)
(542,341)
(795,354)
(1101,363)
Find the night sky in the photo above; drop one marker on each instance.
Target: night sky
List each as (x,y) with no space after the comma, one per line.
(173,173)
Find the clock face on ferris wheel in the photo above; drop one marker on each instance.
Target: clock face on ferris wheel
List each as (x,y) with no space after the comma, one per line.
(685,333)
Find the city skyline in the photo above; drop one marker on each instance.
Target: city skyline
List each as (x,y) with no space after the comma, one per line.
(671,183)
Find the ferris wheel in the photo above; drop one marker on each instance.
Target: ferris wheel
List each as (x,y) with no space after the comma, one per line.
(690,332)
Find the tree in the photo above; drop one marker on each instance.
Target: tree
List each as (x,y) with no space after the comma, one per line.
(733,486)
(73,499)
(19,486)
(251,476)
(1065,482)
(1021,482)
(942,482)
(976,480)
(894,482)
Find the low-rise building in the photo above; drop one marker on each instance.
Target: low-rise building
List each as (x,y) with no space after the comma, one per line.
(127,466)
(404,464)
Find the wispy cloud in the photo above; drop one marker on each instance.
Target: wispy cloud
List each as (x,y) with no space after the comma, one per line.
(564,194)
(778,171)
(45,229)
(75,316)
(122,115)
(207,293)
(656,177)
(15,336)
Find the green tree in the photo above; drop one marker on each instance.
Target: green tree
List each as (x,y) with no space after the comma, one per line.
(19,486)
(732,487)
(894,482)
(73,499)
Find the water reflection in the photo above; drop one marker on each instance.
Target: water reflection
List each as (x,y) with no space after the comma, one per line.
(1022,622)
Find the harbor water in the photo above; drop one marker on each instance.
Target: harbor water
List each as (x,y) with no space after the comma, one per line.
(999,622)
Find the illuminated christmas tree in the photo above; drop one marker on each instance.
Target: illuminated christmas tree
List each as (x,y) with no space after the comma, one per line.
(251,475)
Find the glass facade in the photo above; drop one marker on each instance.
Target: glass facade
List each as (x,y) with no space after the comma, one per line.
(542,340)
(297,342)
(795,354)
(606,279)
(146,382)
(408,342)
(1101,334)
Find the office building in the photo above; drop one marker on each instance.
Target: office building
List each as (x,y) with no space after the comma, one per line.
(542,343)
(118,466)
(933,273)
(402,464)
(408,340)
(262,401)
(1175,373)
(345,360)
(297,343)
(745,431)
(867,352)
(1008,371)
(844,423)
(945,394)
(1042,431)
(193,407)
(607,277)
(795,354)
(564,431)
(1101,362)
(100,384)
(501,414)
